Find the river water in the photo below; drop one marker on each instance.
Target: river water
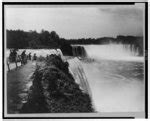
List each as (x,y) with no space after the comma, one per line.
(116,77)
(116,86)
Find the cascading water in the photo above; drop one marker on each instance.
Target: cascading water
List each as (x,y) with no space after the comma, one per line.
(124,52)
(79,51)
(77,71)
(115,77)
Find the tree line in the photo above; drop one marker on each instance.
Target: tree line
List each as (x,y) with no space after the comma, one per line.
(135,40)
(22,40)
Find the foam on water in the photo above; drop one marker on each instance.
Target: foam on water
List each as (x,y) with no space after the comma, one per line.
(113,52)
(113,92)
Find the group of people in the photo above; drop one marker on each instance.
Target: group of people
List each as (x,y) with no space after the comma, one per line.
(15,57)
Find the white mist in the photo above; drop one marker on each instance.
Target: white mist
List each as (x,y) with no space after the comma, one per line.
(112,52)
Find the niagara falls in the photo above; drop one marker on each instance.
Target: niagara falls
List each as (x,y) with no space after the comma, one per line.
(116,77)
(75,61)
(112,74)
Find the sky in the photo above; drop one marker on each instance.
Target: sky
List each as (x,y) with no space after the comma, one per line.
(78,21)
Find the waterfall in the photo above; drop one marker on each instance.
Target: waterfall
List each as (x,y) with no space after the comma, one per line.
(114,77)
(124,52)
(78,51)
(76,69)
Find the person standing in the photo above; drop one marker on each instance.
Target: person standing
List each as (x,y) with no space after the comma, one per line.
(34,57)
(29,56)
(23,54)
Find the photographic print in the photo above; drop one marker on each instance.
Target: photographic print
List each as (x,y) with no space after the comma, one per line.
(66,60)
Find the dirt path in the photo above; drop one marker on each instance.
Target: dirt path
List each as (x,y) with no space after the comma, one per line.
(18,83)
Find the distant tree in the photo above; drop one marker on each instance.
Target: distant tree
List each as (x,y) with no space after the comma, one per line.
(54,35)
(44,37)
(54,39)
(16,39)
